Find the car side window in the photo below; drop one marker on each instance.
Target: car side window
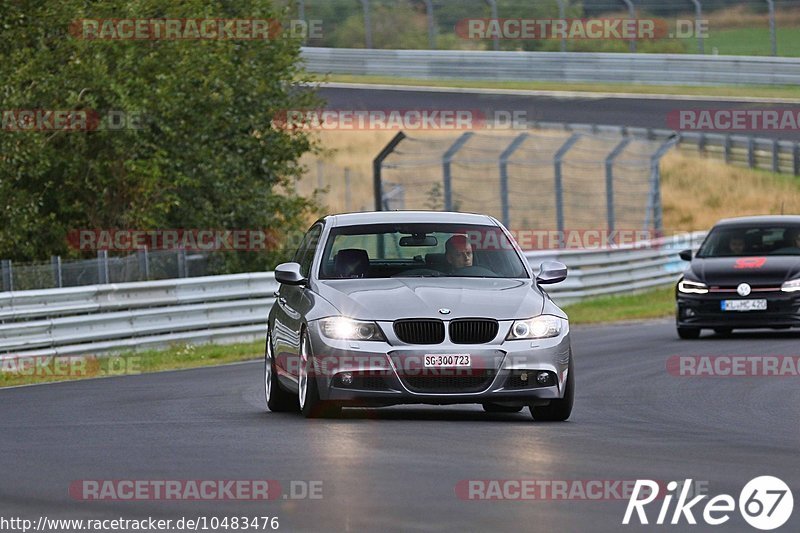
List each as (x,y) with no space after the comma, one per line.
(305,255)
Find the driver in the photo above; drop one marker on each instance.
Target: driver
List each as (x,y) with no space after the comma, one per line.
(736,245)
(458,252)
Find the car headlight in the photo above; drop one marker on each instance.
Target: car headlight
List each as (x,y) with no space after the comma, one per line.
(339,327)
(692,287)
(793,285)
(540,327)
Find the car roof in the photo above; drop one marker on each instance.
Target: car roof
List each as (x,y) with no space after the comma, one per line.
(758,220)
(408,217)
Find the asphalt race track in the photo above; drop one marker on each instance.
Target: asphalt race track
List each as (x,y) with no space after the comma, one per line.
(397,468)
(632,111)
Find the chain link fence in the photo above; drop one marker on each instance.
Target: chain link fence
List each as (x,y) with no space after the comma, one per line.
(140,266)
(544,179)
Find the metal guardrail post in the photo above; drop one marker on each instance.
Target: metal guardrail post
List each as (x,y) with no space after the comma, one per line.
(615,153)
(55,261)
(701,142)
(102,267)
(776,153)
(727,149)
(562,14)
(6,275)
(367,24)
(773,30)
(496,39)
(301,14)
(751,152)
(447,160)
(698,9)
(144,263)
(654,213)
(347,188)
(377,168)
(796,158)
(504,157)
(182,270)
(431,24)
(632,12)
(558,159)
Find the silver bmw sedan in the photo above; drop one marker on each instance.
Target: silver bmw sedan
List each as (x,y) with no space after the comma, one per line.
(400,307)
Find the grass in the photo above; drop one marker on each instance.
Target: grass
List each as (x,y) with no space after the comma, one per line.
(43,370)
(785,92)
(753,42)
(657,303)
(696,192)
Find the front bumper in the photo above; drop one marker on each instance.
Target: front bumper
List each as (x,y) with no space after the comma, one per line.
(705,310)
(387,373)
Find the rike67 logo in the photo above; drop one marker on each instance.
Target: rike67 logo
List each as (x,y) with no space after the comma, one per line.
(765,503)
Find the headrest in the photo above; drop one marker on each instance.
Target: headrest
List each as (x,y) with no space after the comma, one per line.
(351,263)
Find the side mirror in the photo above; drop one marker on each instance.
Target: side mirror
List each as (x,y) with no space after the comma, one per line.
(686,255)
(551,272)
(289,274)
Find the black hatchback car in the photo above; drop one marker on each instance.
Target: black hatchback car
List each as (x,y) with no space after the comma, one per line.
(746,274)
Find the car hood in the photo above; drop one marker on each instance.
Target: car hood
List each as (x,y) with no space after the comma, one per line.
(394,298)
(765,270)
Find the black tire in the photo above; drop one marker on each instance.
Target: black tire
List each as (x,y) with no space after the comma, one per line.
(723,332)
(313,406)
(278,399)
(689,333)
(558,410)
(496,408)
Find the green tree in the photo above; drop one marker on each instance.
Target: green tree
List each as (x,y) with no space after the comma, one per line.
(206,154)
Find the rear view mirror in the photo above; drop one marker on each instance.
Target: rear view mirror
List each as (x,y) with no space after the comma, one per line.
(419,240)
(551,272)
(686,255)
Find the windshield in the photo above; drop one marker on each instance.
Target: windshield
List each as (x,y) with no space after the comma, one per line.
(746,241)
(420,250)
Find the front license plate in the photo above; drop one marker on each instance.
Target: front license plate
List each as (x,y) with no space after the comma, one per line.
(744,305)
(441,360)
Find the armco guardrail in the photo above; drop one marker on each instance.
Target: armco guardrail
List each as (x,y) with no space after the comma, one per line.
(649,69)
(618,270)
(221,309)
(774,155)
(128,316)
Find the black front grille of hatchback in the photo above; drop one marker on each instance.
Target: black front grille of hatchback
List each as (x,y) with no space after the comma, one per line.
(419,331)
(473,331)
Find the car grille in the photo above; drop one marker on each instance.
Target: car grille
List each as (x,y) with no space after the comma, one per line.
(419,331)
(473,331)
(441,381)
